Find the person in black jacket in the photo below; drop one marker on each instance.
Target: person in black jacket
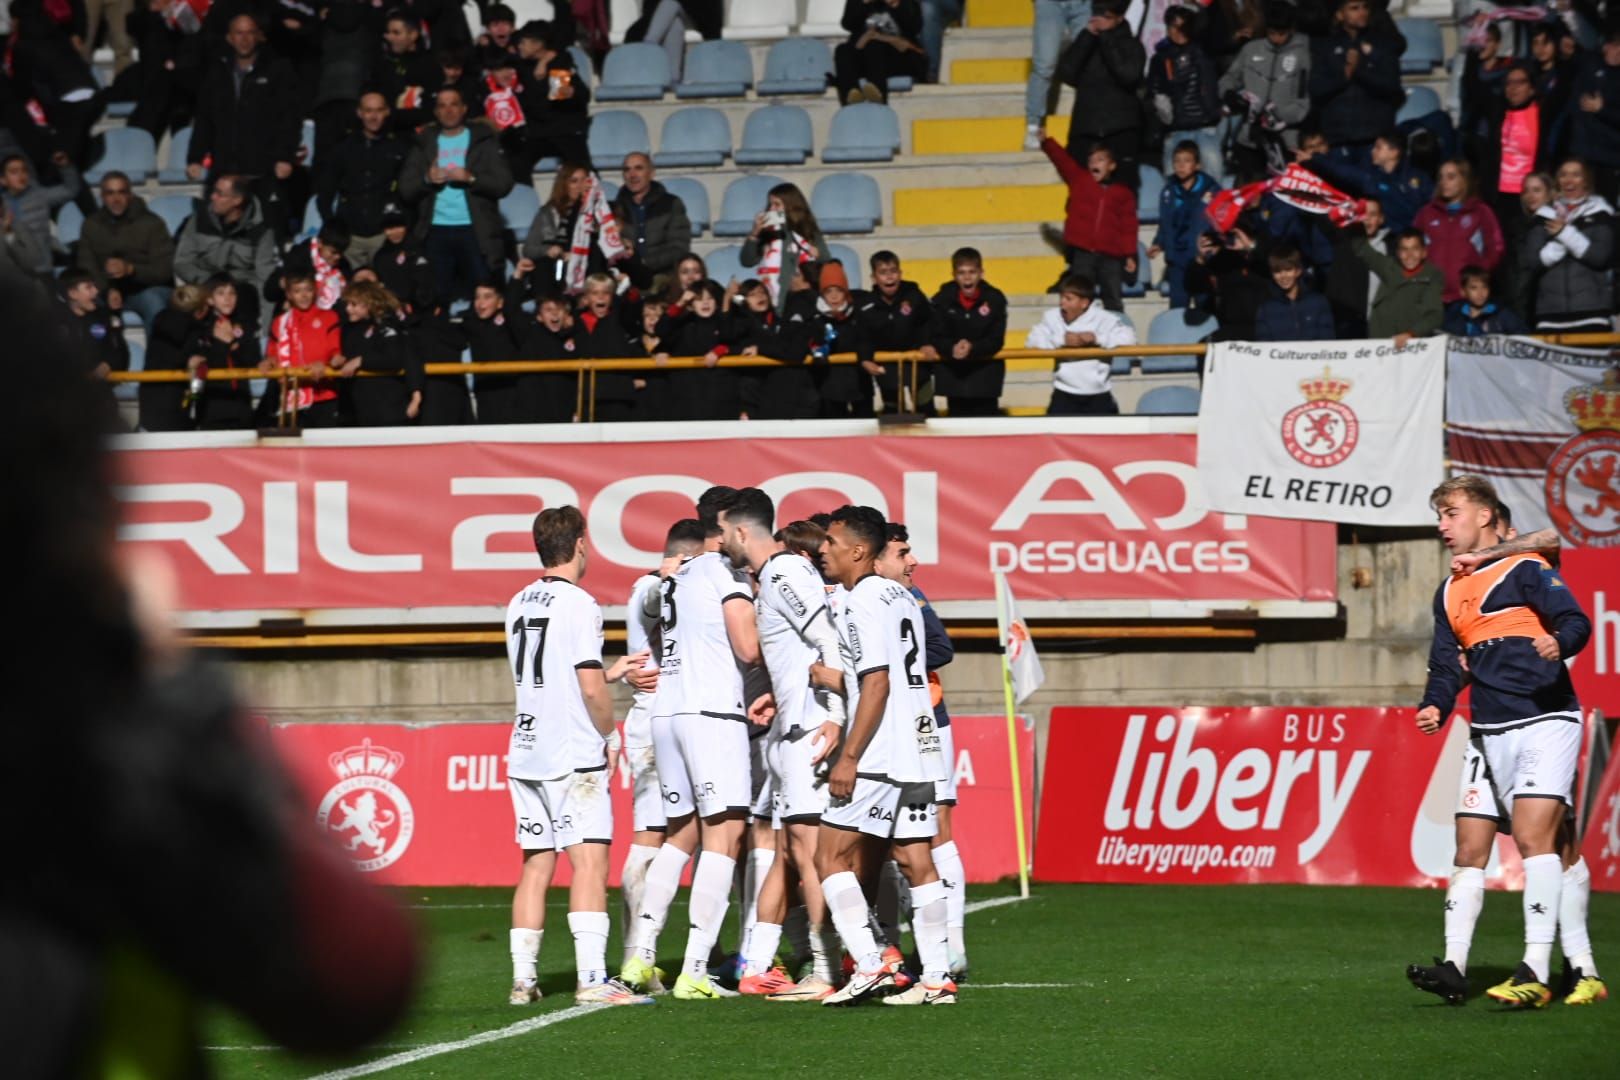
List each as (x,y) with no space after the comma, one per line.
(555,100)
(374,341)
(402,266)
(1105,65)
(699,329)
(1183,85)
(358,180)
(1231,277)
(1356,81)
(97,333)
(895,316)
(224,339)
(491,336)
(406,74)
(543,397)
(845,390)
(436,339)
(786,391)
(347,31)
(602,331)
(885,39)
(652,222)
(970,327)
(171,336)
(1349,283)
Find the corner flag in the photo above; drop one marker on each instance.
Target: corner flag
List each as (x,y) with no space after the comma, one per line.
(1023,664)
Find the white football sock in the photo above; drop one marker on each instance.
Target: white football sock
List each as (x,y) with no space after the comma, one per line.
(758,865)
(823,952)
(928,927)
(847,905)
(711,896)
(1543,882)
(1465,897)
(662,881)
(1572,903)
(632,883)
(891,887)
(590,930)
(762,948)
(948,865)
(796,928)
(525,953)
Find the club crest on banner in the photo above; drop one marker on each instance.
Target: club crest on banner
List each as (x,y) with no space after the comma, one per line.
(365,811)
(1583,475)
(1323,431)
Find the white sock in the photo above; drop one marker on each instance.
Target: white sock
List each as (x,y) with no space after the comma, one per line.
(762,948)
(948,865)
(525,953)
(796,928)
(891,887)
(847,905)
(759,865)
(1543,882)
(823,952)
(1465,897)
(632,883)
(711,896)
(928,919)
(662,881)
(1572,903)
(590,930)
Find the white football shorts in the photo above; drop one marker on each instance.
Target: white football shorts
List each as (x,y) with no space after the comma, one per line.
(1537,761)
(703,765)
(887,810)
(647,800)
(553,815)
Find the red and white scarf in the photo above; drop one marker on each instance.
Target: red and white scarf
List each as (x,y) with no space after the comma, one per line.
(502,106)
(770,262)
(328,278)
(1475,37)
(1298,187)
(595,217)
(186,16)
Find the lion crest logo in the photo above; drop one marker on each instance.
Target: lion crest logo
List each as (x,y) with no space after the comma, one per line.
(1583,475)
(365,811)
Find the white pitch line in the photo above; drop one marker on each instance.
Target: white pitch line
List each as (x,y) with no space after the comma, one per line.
(995,901)
(973,986)
(410,1057)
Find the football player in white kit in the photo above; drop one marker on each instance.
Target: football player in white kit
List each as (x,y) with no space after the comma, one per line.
(700,740)
(561,757)
(795,632)
(882,784)
(685,540)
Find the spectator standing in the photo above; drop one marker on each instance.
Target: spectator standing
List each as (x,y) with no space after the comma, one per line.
(491,336)
(99,329)
(603,331)
(1459,229)
(1553,77)
(322,259)
(226,340)
(1570,255)
(1186,194)
(699,328)
(665,23)
(1535,206)
(115,14)
(844,390)
(1595,124)
(227,234)
(970,320)
(1182,84)
(1105,64)
(359,179)
(1484,70)
(1350,284)
(348,32)
(1408,302)
(894,316)
(1356,81)
(1057,23)
(1267,89)
(1475,312)
(374,342)
(1231,276)
(555,99)
(573,236)
(455,176)
(32,205)
(499,36)
(545,397)
(1099,227)
(786,244)
(1400,189)
(1516,129)
(45,67)
(936,15)
(406,74)
(402,267)
(786,391)
(20,253)
(170,335)
(174,56)
(127,249)
(885,39)
(1081,387)
(653,223)
(1293,311)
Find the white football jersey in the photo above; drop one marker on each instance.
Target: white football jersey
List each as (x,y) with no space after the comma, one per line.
(641,635)
(791,596)
(881,628)
(699,671)
(553,628)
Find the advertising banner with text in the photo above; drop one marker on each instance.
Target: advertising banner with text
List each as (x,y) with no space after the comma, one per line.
(406,525)
(428,805)
(1601,844)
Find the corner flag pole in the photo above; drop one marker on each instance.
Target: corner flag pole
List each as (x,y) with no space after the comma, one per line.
(1012,747)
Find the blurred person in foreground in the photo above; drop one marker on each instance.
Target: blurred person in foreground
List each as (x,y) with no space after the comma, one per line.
(226,896)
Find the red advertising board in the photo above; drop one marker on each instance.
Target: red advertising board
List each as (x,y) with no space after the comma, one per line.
(444,526)
(1306,795)
(1593,575)
(428,804)
(1601,846)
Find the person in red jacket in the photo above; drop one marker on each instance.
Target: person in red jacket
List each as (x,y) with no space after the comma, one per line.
(1461,228)
(1100,228)
(306,336)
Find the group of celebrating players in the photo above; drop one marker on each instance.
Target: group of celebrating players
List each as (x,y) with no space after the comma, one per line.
(785,698)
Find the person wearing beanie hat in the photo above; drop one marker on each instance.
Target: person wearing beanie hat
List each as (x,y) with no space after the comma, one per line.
(845,389)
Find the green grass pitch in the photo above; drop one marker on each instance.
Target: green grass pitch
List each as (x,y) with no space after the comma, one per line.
(1156,981)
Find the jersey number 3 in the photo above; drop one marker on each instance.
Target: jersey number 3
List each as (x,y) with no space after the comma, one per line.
(531,652)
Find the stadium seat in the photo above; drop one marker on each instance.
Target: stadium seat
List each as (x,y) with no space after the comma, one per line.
(1147,194)
(847,203)
(695,196)
(1424,50)
(776,135)
(128,150)
(312,220)
(174,165)
(744,198)
(129,391)
(726,263)
(863,132)
(518,208)
(1168,401)
(621,13)
(616,133)
(900,84)
(69,222)
(1181,326)
(582,64)
(759,20)
(797,66)
(173,209)
(851,260)
(716,69)
(694,136)
(1144,274)
(1420,101)
(823,18)
(1120,365)
(634,71)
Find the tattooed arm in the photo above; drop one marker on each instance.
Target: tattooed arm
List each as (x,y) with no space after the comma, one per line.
(1545,542)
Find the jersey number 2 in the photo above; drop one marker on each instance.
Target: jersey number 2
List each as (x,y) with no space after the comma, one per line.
(521,629)
(909,636)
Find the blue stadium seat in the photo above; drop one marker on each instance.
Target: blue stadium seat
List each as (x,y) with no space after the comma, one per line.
(863,132)
(900,84)
(174,166)
(634,71)
(775,135)
(823,18)
(847,202)
(1424,50)
(694,136)
(582,64)
(174,209)
(716,69)
(726,263)
(851,260)
(69,221)
(797,66)
(128,391)
(744,197)
(695,196)
(616,133)
(1420,101)
(1147,194)
(1120,365)
(518,208)
(1168,401)
(128,150)
(1169,365)
(1178,326)
(1144,274)
(760,20)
